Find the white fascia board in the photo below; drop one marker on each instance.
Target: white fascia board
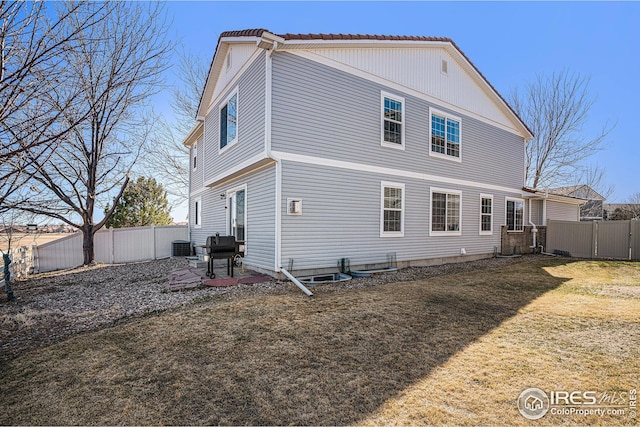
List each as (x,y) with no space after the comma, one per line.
(216,67)
(540,195)
(240,39)
(320,161)
(232,82)
(497,99)
(193,135)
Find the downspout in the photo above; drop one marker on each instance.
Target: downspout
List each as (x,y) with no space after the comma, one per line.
(270,50)
(544,207)
(189,224)
(296,282)
(534,230)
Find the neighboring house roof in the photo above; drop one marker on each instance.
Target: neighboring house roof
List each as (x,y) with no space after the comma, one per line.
(341,40)
(582,191)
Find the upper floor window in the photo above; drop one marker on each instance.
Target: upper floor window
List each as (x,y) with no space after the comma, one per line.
(445,212)
(445,135)
(515,214)
(229,121)
(392,121)
(392,214)
(195,155)
(486,214)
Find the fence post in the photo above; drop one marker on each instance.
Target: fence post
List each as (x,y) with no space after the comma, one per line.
(112,251)
(594,239)
(630,238)
(155,250)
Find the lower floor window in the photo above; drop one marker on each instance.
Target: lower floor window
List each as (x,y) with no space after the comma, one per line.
(392,209)
(486,214)
(445,212)
(515,214)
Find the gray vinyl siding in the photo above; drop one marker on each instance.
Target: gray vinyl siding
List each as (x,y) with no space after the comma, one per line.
(251,122)
(562,211)
(260,226)
(196,174)
(341,218)
(321,111)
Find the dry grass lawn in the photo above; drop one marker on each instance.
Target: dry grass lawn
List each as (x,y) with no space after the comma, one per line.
(456,349)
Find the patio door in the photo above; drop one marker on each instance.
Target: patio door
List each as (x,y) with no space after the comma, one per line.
(237,205)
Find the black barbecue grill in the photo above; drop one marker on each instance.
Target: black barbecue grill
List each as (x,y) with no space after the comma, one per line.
(221,247)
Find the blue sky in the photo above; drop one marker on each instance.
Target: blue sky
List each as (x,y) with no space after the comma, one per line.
(510,42)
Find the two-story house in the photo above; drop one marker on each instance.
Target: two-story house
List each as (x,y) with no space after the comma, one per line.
(317,147)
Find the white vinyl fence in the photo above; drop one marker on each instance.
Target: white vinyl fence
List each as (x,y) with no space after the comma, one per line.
(114,245)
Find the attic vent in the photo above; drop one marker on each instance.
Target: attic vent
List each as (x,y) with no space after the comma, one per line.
(444,66)
(229,60)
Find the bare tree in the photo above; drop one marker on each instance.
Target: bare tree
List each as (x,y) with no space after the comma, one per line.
(169,162)
(31,41)
(633,205)
(117,65)
(556,109)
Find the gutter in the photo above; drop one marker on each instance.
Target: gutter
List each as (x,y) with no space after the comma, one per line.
(534,230)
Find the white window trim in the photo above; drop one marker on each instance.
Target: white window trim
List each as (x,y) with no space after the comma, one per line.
(400,99)
(220,107)
(444,233)
(228,194)
(481,231)
(400,233)
(197,215)
(514,199)
(441,113)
